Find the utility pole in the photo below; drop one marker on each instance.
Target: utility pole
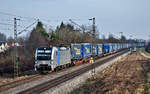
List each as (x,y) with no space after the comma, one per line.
(130,38)
(16,58)
(93,26)
(94,31)
(121,34)
(121,40)
(93,36)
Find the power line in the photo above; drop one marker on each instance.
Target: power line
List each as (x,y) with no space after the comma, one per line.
(77,24)
(5,29)
(6,24)
(11,25)
(46,24)
(9,14)
(28,27)
(48,20)
(8,20)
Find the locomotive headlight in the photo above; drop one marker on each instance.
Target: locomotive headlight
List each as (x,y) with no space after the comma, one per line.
(51,62)
(36,62)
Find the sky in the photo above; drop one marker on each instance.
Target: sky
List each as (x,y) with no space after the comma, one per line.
(132,17)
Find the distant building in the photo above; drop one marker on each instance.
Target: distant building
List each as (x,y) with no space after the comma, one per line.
(10,44)
(6,45)
(3,46)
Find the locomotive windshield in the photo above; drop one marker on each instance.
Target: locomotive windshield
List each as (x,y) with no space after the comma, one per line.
(44,53)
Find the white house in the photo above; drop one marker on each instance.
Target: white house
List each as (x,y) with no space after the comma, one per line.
(3,46)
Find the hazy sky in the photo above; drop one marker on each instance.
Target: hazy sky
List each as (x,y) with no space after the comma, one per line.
(132,17)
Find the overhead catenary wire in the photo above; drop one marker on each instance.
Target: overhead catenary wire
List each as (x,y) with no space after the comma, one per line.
(5,24)
(10,14)
(11,24)
(48,20)
(57,19)
(76,24)
(5,29)
(22,19)
(28,27)
(35,18)
(48,26)
(6,20)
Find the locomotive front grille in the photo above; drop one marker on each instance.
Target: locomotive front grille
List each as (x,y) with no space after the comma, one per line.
(43,65)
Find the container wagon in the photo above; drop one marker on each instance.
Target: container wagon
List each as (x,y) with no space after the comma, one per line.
(106,48)
(100,50)
(86,51)
(94,49)
(76,52)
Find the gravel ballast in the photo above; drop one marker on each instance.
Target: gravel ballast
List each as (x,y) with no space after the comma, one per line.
(68,86)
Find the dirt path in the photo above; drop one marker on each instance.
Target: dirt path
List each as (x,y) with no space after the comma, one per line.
(128,76)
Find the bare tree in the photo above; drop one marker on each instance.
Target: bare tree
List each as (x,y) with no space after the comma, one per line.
(2,37)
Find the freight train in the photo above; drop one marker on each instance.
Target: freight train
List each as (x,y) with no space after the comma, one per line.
(52,58)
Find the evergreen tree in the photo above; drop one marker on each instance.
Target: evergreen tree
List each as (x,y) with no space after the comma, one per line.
(62,25)
(40,29)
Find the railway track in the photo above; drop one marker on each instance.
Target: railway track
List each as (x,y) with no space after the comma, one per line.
(52,83)
(20,82)
(16,83)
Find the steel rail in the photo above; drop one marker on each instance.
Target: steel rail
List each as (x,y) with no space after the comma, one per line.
(54,82)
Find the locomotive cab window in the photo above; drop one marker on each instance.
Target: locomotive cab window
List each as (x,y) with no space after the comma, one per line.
(44,54)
